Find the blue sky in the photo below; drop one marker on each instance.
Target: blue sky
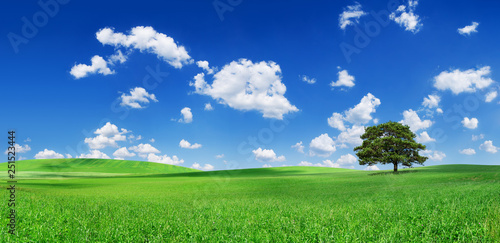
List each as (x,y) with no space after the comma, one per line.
(88,79)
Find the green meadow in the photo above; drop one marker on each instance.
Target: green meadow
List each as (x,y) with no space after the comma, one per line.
(89,200)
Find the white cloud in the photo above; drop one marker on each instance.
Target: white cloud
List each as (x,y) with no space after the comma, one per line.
(350,15)
(137,95)
(299,147)
(344,80)
(433,155)
(491,96)
(337,121)
(344,160)
(187,145)
(98,65)
(122,153)
(470,123)
(152,140)
(406,17)
(205,66)
(371,168)
(322,146)
(107,136)
(20,148)
(146,39)
(205,167)
(144,149)
(219,156)
(267,166)
(69,156)
(463,81)
(411,118)
(164,159)
(48,154)
(424,138)
(488,147)
(267,155)
(439,110)
(351,136)
(117,57)
(308,79)
(94,154)
(359,114)
(432,101)
(467,151)
(477,137)
(208,107)
(244,85)
(347,159)
(187,115)
(27,140)
(469,29)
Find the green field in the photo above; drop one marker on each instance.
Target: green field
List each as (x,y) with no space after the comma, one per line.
(129,201)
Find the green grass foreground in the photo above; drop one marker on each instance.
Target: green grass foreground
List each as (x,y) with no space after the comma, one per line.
(288,204)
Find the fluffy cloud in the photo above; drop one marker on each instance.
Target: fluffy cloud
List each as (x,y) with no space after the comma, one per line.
(433,155)
(307,79)
(463,81)
(98,65)
(208,107)
(406,17)
(491,96)
(187,145)
(344,80)
(204,167)
(122,153)
(94,154)
(299,147)
(432,101)
(20,148)
(146,39)
(371,168)
(488,147)
(350,15)
(144,149)
(468,151)
(411,118)
(187,115)
(477,137)
(267,155)
(322,146)
(205,66)
(267,166)
(137,95)
(164,159)
(48,154)
(424,138)
(351,136)
(107,136)
(344,160)
(337,121)
(469,29)
(470,123)
(244,85)
(359,114)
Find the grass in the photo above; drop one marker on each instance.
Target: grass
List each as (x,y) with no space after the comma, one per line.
(289,204)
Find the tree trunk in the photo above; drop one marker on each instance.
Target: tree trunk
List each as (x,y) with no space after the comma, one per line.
(395,167)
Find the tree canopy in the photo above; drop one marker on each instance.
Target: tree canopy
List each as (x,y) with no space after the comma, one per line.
(389,143)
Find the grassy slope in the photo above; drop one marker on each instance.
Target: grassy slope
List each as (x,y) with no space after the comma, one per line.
(437,203)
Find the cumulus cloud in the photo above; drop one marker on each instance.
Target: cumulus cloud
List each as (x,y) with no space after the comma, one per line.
(424,137)
(205,66)
(322,146)
(244,85)
(411,118)
(164,159)
(187,145)
(267,166)
(344,79)
(94,154)
(107,136)
(144,149)
(467,151)
(208,107)
(137,95)
(463,81)
(371,168)
(146,39)
(350,15)
(433,155)
(337,121)
(345,161)
(488,147)
(299,147)
(469,29)
(431,101)
(204,167)
(187,115)
(470,123)
(98,65)
(406,17)
(267,155)
(20,148)
(359,114)
(491,96)
(351,136)
(122,153)
(307,79)
(48,154)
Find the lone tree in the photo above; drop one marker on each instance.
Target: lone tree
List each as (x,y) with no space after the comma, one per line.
(389,143)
